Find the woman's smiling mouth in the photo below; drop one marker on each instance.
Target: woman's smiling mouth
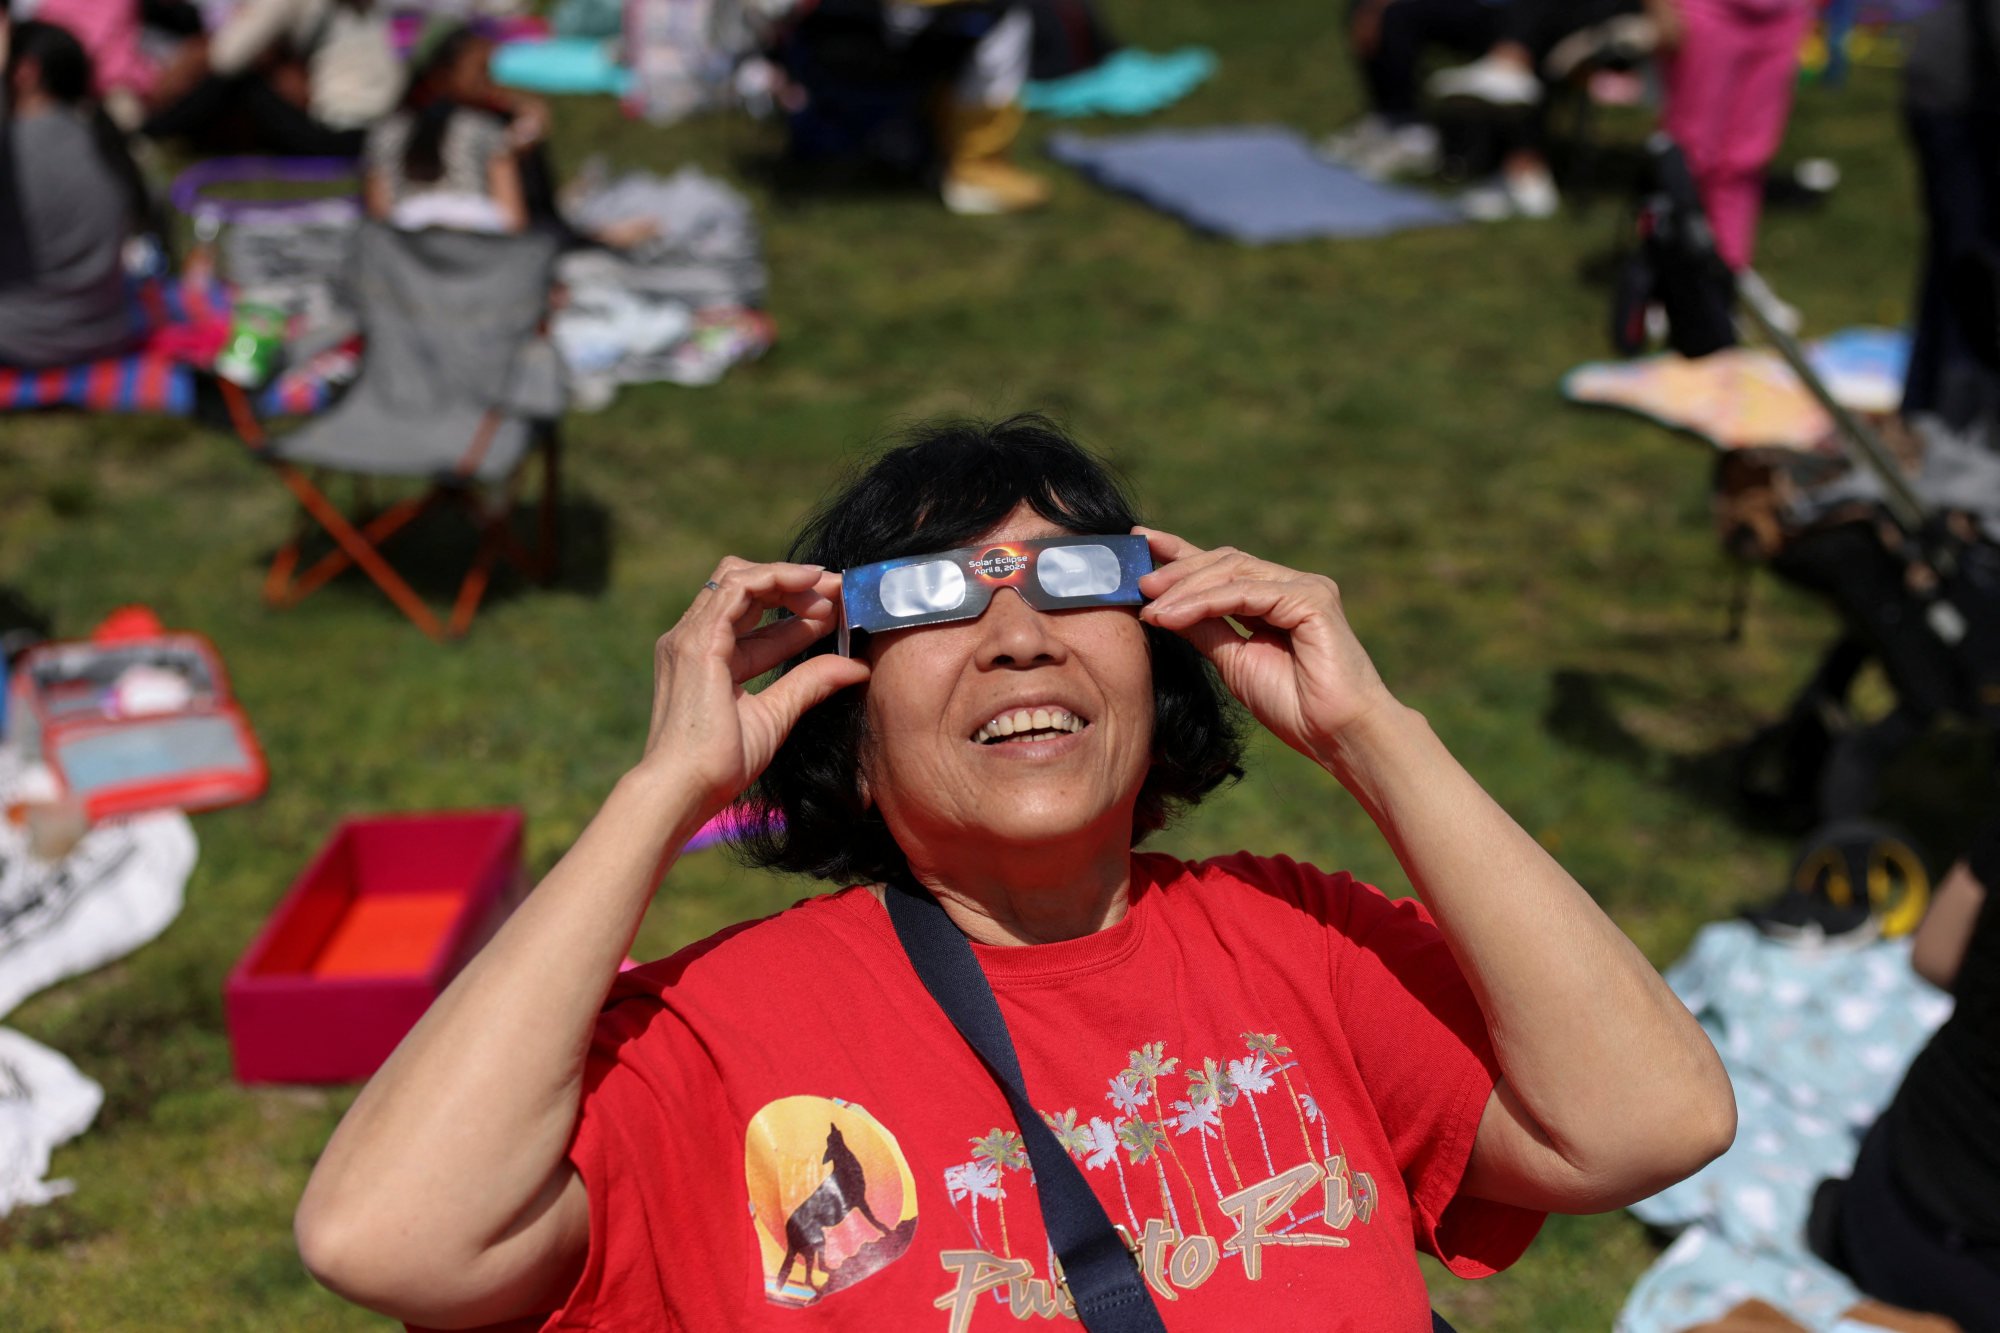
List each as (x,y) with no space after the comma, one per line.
(1029,724)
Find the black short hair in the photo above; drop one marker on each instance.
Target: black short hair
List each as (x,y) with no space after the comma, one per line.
(942,485)
(65,71)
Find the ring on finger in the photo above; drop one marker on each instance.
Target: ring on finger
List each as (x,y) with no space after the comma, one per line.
(712,586)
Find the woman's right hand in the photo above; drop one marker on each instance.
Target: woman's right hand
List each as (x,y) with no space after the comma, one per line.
(708,728)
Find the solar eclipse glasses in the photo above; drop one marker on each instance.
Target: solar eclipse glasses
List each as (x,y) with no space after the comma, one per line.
(1049,574)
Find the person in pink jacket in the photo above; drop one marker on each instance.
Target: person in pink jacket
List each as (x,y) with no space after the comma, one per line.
(1729,67)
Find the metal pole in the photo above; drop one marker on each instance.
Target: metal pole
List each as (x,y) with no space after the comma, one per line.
(1864,445)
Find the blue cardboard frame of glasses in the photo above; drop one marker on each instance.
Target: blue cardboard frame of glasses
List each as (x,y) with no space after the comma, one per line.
(1049,573)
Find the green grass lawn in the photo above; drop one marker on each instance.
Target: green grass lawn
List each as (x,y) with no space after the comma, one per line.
(1540,580)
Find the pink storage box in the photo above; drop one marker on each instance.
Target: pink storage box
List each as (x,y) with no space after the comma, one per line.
(373,930)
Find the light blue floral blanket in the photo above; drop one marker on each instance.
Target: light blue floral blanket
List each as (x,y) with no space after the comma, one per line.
(1815,1041)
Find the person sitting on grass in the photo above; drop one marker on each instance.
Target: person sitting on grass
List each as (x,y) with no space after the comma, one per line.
(441,158)
(70,197)
(1918,1222)
(303,77)
(463,153)
(1536,42)
(1389,40)
(993,684)
(964,63)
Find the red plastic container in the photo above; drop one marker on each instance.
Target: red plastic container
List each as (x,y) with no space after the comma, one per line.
(365,939)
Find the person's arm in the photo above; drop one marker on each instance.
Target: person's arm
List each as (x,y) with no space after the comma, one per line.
(445,1197)
(526,113)
(1938,948)
(503,187)
(1667,26)
(377,199)
(1609,1089)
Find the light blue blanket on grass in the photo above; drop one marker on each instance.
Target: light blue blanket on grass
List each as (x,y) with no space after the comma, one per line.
(1816,1042)
(1257,184)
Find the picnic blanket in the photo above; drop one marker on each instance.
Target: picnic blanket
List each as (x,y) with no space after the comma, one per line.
(1127,82)
(1747,397)
(119,888)
(1254,184)
(681,307)
(186,320)
(1815,1042)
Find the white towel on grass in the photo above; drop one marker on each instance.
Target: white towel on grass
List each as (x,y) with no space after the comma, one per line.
(44,1102)
(117,890)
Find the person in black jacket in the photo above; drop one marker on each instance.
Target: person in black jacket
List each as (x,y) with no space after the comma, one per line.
(1919,1222)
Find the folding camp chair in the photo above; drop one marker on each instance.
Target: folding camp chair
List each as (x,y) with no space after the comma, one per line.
(457,387)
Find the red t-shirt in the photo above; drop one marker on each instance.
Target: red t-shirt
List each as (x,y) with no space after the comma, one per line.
(1272,1076)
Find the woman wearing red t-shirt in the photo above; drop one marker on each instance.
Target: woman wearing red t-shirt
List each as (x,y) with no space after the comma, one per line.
(1281,1084)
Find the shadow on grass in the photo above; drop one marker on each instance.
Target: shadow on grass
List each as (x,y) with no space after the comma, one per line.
(54,1226)
(1583,713)
(435,551)
(1938,791)
(846,179)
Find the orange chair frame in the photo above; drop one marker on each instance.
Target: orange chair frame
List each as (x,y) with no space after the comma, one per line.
(358,541)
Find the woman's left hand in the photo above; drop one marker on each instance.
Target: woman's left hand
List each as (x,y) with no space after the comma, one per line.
(1300,670)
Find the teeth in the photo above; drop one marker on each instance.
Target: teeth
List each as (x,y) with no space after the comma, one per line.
(1028,719)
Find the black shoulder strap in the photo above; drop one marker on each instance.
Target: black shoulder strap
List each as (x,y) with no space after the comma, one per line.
(1098,1268)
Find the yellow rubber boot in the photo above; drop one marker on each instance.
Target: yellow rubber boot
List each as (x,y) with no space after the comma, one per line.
(978,178)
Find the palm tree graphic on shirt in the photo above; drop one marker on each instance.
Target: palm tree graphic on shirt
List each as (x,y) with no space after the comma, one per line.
(1267,1044)
(1103,1152)
(974,1180)
(1148,1063)
(1004,1151)
(1144,1125)
(1213,1084)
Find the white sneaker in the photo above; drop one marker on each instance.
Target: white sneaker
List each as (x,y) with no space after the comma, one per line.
(1347,146)
(1532,191)
(1409,150)
(1487,201)
(1525,193)
(1496,82)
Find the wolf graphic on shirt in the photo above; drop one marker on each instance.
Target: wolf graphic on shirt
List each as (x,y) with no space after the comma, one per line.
(831,1196)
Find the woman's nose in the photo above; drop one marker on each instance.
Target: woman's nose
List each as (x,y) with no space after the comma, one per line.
(1012,633)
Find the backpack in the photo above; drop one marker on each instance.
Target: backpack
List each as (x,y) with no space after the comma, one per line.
(1673,266)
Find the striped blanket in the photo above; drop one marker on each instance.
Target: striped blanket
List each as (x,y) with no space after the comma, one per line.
(173,315)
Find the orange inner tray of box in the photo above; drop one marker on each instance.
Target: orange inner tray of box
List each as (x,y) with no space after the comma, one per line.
(388,934)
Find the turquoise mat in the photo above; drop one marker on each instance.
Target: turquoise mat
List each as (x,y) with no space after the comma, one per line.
(561,65)
(1126,83)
